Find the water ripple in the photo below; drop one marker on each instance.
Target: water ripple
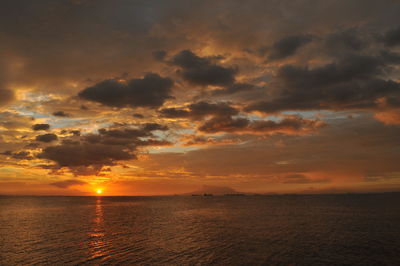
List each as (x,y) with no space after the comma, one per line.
(274,230)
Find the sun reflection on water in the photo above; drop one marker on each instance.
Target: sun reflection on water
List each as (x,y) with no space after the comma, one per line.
(97,235)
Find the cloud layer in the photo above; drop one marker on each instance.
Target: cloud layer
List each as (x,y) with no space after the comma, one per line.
(271,96)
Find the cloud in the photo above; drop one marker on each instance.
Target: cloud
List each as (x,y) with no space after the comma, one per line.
(38,127)
(221,120)
(88,154)
(68,183)
(159,55)
(338,65)
(196,140)
(61,114)
(79,157)
(342,152)
(225,124)
(47,137)
(354,95)
(351,83)
(389,117)
(150,91)
(290,125)
(345,69)
(154,127)
(21,155)
(347,39)
(174,113)
(199,110)
(141,136)
(202,71)
(136,115)
(390,57)
(392,37)
(288,46)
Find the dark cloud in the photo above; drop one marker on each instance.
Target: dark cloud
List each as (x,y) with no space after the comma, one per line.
(345,69)
(154,127)
(37,127)
(348,39)
(7,153)
(21,155)
(291,125)
(128,133)
(392,37)
(202,70)
(354,95)
(47,137)
(140,116)
(205,71)
(150,91)
(197,140)
(128,137)
(86,155)
(225,124)
(159,55)
(174,113)
(61,114)
(68,183)
(75,132)
(221,119)
(390,57)
(94,151)
(288,46)
(32,146)
(144,130)
(199,110)
(131,137)
(153,142)
(351,83)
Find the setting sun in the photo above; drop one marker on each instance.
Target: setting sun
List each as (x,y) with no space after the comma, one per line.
(99,191)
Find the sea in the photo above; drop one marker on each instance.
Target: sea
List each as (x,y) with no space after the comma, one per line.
(345,229)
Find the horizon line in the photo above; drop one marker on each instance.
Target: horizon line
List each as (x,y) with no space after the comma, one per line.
(213,194)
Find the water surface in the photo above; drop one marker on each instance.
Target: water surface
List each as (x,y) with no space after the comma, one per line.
(250,230)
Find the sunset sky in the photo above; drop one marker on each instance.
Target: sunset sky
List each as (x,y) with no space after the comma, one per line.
(165,97)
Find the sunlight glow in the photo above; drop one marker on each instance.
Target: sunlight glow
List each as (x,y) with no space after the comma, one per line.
(99,191)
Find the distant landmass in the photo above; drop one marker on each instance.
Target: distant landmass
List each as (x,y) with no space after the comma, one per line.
(214,190)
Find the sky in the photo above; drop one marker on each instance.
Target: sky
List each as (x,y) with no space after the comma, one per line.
(146,97)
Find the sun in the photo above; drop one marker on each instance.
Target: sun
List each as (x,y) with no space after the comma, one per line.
(99,191)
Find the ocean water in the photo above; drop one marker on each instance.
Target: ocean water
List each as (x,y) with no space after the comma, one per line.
(183,230)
